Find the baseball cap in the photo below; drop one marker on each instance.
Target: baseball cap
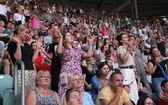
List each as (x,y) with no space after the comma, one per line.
(127,82)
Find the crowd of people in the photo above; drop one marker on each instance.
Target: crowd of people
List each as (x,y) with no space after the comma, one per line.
(94,60)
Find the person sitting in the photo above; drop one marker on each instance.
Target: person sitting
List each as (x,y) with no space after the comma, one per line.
(100,80)
(163,97)
(114,94)
(75,82)
(126,86)
(42,95)
(145,100)
(73,97)
(5,67)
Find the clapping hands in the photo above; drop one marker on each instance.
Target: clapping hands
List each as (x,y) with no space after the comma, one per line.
(90,40)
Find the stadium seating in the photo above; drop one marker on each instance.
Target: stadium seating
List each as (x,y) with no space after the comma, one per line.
(6,90)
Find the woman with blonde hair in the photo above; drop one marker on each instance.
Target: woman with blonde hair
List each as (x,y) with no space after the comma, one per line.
(55,60)
(75,82)
(42,95)
(72,97)
(19,50)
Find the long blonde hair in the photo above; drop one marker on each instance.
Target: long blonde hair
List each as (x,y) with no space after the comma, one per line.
(54,39)
(20,28)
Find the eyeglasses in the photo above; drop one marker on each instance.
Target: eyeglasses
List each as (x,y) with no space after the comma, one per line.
(44,77)
(149,103)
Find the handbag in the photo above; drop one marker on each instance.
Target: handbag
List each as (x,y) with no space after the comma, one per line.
(164,73)
(64,78)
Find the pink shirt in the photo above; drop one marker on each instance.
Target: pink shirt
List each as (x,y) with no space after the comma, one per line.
(105,32)
(35,23)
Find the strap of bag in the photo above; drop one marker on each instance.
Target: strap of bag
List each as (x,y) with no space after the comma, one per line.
(165,75)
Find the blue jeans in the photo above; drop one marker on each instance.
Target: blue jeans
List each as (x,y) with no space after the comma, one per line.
(156,85)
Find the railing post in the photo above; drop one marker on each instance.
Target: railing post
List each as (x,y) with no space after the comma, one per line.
(21,63)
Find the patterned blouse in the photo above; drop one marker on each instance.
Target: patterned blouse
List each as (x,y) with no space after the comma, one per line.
(46,100)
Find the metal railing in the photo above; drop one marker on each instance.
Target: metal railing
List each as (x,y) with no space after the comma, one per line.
(19,98)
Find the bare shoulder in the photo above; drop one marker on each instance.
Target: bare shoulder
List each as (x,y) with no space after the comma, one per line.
(58,98)
(31,98)
(32,93)
(56,95)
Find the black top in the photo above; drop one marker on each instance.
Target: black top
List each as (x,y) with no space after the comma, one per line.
(56,59)
(40,33)
(158,72)
(89,75)
(27,54)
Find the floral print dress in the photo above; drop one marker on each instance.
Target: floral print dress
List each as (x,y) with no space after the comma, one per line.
(70,61)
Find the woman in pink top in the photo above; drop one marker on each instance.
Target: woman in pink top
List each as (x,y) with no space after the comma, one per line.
(105,32)
(35,22)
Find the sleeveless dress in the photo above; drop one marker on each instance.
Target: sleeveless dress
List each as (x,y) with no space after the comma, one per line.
(46,100)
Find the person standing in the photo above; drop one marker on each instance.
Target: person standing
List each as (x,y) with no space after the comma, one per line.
(19,50)
(126,64)
(19,17)
(56,61)
(71,57)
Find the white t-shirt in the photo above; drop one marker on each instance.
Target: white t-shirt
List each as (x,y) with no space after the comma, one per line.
(3,10)
(130,61)
(19,17)
(65,20)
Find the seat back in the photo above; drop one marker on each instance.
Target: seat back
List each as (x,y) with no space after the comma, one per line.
(6,82)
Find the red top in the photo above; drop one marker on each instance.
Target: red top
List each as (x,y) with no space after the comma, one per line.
(161,101)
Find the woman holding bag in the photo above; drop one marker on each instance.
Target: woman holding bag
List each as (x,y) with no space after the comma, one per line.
(155,71)
(70,60)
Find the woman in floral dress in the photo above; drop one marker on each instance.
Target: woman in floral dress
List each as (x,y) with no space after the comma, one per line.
(70,58)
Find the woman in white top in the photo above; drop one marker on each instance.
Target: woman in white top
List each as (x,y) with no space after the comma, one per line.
(19,17)
(126,64)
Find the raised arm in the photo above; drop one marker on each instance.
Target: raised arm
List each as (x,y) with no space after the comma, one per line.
(89,52)
(124,57)
(59,48)
(18,52)
(39,44)
(151,68)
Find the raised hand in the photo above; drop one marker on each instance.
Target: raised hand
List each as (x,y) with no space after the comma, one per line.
(60,35)
(39,42)
(15,39)
(119,90)
(109,74)
(90,40)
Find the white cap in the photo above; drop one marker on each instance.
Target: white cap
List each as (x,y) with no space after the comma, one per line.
(127,82)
